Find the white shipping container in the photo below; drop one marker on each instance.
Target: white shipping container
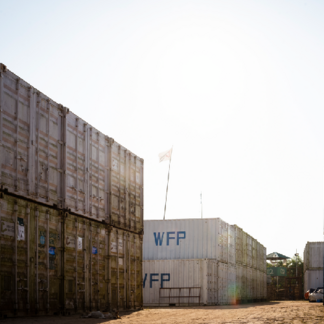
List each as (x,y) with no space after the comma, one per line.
(254,283)
(222,285)
(264,256)
(239,281)
(186,239)
(263,279)
(231,244)
(249,250)
(258,284)
(181,282)
(212,291)
(239,244)
(313,256)
(244,284)
(313,279)
(254,253)
(264,283)
(231,283)
(249,283)
(244,240)
(261,257)
(186,277)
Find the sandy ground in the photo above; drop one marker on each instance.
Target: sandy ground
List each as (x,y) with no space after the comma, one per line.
(272,312)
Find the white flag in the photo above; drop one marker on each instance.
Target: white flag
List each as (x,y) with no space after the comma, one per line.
(165,156)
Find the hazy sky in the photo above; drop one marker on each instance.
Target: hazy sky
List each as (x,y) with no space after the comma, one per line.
(235,86)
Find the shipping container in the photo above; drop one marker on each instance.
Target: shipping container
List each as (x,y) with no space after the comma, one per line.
(186,239)
(258,285)
(239,244)
(258,256)
(188,282)
(254,253)
(50,155)
(313,279)
(254,284)
(239,283)
(249,250)
(176,282)
(55,262)
(200,281)
(212,281)
(223,298)
(249,284)
(264,262)
(261,257)
(245,253)
(313,256)
(231,283)
(244,285)
(177,243)
(231,244)
(264,285)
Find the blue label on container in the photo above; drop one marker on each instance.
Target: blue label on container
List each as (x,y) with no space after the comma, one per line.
(42,239)
(94,250)
(51,250)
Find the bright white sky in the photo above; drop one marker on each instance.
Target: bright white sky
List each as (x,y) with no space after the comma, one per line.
(235,86)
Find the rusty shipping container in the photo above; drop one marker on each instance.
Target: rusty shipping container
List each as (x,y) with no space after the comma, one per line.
(50,155)
(56,262)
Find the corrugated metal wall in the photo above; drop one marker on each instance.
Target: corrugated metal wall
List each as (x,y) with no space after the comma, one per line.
(186,239)
(71,210)
(181,275)
(205,281)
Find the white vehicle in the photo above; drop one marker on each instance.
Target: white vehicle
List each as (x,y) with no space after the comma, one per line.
(316,295)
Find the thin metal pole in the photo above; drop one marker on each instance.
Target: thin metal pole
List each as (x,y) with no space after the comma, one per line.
(166,194)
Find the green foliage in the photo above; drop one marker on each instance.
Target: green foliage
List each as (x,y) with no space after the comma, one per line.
(291,267)
(290,264)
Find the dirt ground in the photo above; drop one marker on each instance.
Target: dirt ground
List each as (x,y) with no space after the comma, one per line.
(272,312)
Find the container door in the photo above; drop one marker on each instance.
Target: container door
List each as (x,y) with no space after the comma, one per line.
(244,248)
(244,283)
(231,284)
(222,284)
(212,282)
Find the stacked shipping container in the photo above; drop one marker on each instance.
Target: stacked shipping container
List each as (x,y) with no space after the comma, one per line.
(189,261)
(71,209)
(313,265)
(251,258)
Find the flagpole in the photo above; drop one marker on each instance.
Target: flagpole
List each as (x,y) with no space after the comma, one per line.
(166,194)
